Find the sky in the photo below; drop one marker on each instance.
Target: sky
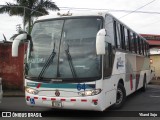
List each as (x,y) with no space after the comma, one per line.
(139,22)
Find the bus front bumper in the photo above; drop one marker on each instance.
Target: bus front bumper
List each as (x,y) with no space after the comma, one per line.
(77,103)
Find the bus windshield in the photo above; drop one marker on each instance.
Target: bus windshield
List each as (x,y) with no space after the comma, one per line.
(73,43)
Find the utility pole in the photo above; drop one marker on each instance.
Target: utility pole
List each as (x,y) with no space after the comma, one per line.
(24,19)
(18,28)
(25,8)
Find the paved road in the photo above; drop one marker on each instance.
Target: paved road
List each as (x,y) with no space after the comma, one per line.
(143,102)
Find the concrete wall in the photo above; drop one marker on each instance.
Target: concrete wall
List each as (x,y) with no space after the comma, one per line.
(11,69)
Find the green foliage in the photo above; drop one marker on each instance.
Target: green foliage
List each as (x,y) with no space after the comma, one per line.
(33,8)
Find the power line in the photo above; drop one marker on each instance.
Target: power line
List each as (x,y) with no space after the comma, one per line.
(138,9)
(147,12)
(75,8)
(114,10)
(108,10)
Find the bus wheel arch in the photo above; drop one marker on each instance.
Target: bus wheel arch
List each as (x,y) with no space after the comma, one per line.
(121,95)
(121,82)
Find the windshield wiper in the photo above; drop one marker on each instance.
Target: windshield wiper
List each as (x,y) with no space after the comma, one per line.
(71,63)
(48,62)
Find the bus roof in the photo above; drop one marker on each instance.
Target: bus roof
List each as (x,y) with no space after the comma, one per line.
(62,14)
(72,14)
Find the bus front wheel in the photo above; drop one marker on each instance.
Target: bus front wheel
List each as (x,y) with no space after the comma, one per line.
(121,96)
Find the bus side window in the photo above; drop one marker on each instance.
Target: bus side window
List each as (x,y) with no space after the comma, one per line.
(109,26)
(135,42)
(122,37)
(129,40)
(118,35)
(132,42)
(142,46)
(139,44)
(126,39)
(115,34)
(145,49)
(108,60)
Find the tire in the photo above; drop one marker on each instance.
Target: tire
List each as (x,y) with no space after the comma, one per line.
(121,96)
(144,84)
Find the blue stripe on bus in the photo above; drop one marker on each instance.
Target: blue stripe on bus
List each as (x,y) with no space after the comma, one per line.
(65,86)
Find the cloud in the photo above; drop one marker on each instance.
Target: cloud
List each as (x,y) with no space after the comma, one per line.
(8,25)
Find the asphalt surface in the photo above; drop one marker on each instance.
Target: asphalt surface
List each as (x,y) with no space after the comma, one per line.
(136,104)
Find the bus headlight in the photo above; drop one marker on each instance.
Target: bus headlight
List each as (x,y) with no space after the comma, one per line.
(31,91)
(90,92)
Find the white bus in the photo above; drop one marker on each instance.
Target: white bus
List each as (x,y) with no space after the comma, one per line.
(83,61)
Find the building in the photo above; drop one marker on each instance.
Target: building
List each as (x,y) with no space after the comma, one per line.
(154,44)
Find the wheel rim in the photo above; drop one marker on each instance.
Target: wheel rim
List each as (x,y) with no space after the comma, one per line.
(119,96)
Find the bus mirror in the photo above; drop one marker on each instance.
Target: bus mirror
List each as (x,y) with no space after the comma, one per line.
(16,42)
(100,42)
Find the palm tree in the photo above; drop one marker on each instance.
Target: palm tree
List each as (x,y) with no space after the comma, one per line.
(28,9)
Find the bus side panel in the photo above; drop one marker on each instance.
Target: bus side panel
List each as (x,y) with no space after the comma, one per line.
(110,88)
(142,70)
(130,71)
(124,68)
(148,70)
(138,67)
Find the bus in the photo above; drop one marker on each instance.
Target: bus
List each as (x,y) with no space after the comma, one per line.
(83,61)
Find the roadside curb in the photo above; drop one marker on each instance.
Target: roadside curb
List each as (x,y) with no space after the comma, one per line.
(155,82)
(13,94)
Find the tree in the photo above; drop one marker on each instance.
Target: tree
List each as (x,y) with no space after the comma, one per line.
(28,9)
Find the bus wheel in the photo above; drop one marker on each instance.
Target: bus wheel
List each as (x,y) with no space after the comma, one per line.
(144,84)
(121,96)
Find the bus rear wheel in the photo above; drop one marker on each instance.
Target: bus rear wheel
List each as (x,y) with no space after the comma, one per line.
(121,96)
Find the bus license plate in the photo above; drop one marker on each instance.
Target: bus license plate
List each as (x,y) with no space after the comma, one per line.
(57,104)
